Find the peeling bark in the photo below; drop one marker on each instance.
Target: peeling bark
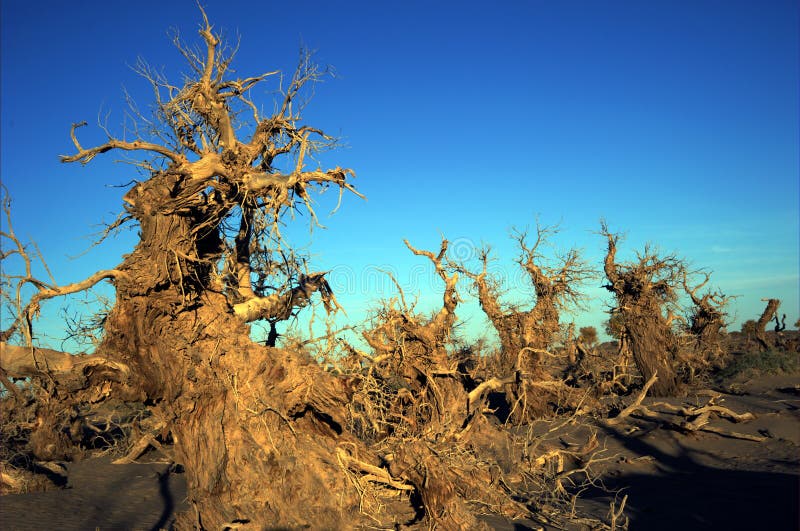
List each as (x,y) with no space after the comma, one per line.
(255,427)
(643,289)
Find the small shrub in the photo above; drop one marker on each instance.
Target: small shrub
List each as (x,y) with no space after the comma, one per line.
(588,335)
(760,363)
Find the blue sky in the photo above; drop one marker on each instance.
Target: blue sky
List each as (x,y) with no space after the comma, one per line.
(676,121)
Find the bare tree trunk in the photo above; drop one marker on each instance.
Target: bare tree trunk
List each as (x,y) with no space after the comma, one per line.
(525,334)
(761,325)
(642,290)
(251,423)
(653,347)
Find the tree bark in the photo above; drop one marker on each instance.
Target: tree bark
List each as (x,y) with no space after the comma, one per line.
(642,288)
(653,346)
(763,321)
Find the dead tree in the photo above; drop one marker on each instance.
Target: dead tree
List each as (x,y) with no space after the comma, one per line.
(706,319)
(255,427)
(425,405)
(644,291)
(431,336)
(761,325)
(526,334)
(417,402)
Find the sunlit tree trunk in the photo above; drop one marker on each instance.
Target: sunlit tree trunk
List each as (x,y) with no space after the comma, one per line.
(643,289)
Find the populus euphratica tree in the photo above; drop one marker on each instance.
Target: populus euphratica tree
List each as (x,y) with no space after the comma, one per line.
(256,427)
(645,292)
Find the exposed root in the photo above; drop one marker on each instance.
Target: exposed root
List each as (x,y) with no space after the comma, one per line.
(696,418)
(371,472)
(734,434)
(140,447)
(636,405)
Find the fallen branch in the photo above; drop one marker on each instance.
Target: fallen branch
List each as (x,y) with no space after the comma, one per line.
(697,418)
(25,362)
(697,422)
(614,514)
(372,472)
(140,447)
(491,384)
(722,412)
(53,467)
(636,405)
(734,434)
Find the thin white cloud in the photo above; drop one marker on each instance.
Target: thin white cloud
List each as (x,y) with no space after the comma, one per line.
(750,282)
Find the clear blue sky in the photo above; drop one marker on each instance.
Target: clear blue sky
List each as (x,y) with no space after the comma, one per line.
(676,121)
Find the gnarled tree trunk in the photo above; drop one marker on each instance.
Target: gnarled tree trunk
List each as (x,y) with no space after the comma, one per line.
(770,310)
(526,334)
(254,426)
(642,289)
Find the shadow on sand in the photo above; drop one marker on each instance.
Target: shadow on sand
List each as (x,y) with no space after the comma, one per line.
(686,495)
(101,495)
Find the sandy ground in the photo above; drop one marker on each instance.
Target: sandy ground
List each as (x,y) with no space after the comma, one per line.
(673,480)
(101,495)
(706,481)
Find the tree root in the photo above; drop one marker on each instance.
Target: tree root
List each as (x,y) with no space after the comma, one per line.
(636,405)
(372,472)
(695,418)
(138,449)
(734,434)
